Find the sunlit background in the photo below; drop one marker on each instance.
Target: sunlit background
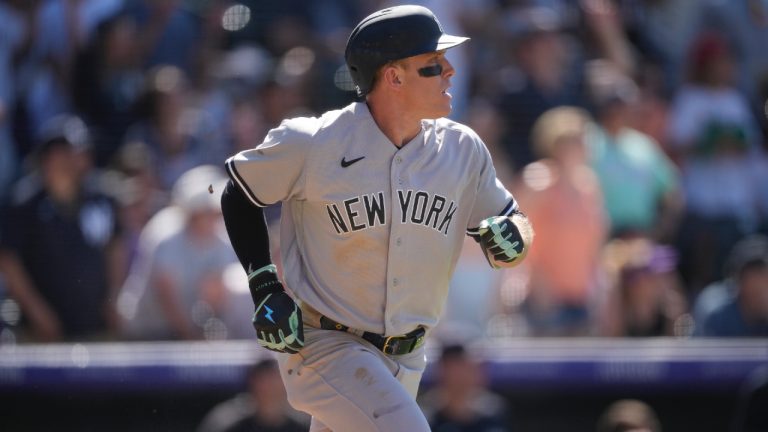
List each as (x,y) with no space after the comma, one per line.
(632,132)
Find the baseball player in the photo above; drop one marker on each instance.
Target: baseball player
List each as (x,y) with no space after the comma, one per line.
(377,197)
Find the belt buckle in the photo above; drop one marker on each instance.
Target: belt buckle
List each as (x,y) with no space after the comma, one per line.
(387,348)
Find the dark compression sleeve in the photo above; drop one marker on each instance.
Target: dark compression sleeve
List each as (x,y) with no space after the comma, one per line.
(246,227)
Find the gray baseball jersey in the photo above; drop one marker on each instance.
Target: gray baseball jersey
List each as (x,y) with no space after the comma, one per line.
(370,233)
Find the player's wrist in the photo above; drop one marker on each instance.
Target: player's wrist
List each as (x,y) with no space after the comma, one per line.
(505,240)
(263,281)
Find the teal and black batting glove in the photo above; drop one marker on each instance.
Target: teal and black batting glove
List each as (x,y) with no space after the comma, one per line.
(501,240)
(277,319)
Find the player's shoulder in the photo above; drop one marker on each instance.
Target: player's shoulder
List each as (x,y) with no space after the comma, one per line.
(453,128)
(455,134)
(311,127)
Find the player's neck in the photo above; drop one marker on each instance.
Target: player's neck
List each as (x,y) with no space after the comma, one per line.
(394,122)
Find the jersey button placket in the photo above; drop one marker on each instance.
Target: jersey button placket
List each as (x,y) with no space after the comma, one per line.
(399,161)
(396,257)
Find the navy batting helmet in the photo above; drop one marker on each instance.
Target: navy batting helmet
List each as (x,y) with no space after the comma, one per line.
(392,34)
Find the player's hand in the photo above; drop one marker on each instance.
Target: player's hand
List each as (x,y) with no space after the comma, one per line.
(277,318)
(501,240)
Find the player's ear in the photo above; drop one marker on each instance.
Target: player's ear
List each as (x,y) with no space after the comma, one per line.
(393,76)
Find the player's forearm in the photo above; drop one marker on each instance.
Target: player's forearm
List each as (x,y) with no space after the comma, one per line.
(246,227)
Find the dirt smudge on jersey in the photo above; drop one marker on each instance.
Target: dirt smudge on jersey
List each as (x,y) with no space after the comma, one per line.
(362,375)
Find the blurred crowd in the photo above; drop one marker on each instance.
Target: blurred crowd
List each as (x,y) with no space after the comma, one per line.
(632,132)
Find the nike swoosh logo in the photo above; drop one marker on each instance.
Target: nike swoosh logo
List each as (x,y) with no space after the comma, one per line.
(345,163)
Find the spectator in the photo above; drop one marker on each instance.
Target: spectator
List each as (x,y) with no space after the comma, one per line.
(135,184)
(460,400)
(107,81)
(9,163)
(639,182)
(63,28)
(165,223)
(185,294)
(262,408)
(15,35)
(660,32)
(280,26)
(562,198)
(173,32)
(247,124)
(628,415)
(30,77)
(546,74)
(607,34)
(751,415)
(741,308)
(646,298)
(717,143)
(164,128)
(744,23)
(63,236)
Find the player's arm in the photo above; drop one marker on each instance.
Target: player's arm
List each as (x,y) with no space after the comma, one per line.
(277,318)
(505,237)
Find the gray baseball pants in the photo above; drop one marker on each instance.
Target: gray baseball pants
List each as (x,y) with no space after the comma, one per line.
(348,385)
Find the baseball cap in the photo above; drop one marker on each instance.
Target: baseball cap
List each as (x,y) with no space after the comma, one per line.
(199,189)
(649,258)
(531,20)
(751,250)
(63,129)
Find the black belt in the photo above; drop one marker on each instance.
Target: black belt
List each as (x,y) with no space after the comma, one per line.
(390,345)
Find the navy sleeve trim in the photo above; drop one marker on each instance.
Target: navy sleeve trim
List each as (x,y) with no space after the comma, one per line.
(237,179)
(509,209)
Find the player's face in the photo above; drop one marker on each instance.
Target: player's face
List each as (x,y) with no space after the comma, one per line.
(428,79)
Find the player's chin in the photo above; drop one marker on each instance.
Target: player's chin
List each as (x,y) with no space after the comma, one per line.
(438,108)
(445,106)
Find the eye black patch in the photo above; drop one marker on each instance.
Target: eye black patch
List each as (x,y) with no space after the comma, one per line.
(430,71)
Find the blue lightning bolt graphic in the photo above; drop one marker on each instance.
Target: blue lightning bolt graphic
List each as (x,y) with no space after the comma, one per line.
(268,315)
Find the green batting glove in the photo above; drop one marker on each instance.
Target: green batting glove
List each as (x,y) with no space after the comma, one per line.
(277,318)
(500,239)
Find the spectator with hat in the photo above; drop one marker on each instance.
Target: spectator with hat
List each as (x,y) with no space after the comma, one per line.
(263,406)
(461,400)
(645,298)
(177,290)
(640,184)
(628,415)
(716,140)
(62,236)
(544,72)
(738,305)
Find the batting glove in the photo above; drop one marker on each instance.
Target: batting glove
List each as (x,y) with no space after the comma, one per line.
(277,319)
(501,240)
